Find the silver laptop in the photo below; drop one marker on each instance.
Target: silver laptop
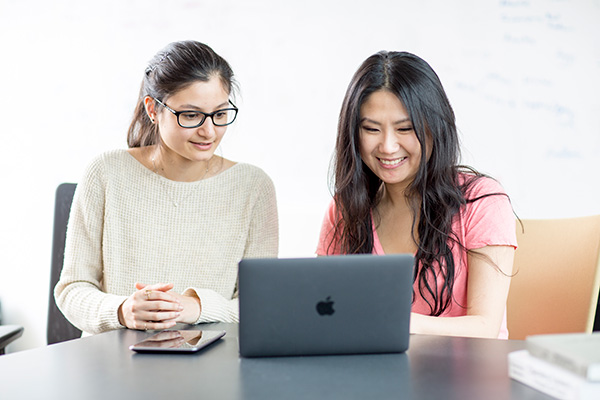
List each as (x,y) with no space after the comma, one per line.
(326,305)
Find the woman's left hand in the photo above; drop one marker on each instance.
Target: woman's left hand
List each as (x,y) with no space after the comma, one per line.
(191,305)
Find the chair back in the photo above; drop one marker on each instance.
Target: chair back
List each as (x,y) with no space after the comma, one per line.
(59,328)
(557,277)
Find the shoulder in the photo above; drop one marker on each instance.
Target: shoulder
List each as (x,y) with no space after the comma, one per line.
(249,175)
(243,183)
(250,170)
(332,212)
(476,186)
(111,158)
(329,240)
(487,217)
(110,166)
(93,184)
(483,193)
(332,217)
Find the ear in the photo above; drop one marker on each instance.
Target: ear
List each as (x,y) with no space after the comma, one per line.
(150,106)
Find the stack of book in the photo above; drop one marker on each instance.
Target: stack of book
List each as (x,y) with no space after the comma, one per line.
(564,366)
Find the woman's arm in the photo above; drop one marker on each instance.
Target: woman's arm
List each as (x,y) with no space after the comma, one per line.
(487,291)
(78,293)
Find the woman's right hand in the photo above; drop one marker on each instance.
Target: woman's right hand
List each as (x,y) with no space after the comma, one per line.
(150,308)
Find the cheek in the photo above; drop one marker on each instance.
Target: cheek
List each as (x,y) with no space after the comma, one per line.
(416,146)
(220,133)
(364,147)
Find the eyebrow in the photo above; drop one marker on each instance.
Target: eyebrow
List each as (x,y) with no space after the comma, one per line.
(193,107)
(365,119)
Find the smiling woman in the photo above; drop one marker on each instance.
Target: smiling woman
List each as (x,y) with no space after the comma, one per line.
(156,231)
(399,189)
(388,144)
(189,138)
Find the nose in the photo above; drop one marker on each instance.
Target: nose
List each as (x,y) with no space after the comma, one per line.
(389,143)
(207,129)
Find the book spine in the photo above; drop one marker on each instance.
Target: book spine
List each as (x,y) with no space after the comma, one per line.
(562,360)
(549,378)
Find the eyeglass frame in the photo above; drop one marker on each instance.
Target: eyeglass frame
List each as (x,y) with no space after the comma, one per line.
(178,113)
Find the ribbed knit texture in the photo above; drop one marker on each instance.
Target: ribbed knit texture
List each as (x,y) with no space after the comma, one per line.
(128,224)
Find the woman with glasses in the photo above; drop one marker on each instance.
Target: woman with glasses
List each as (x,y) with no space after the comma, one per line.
(156,231)
(399,189)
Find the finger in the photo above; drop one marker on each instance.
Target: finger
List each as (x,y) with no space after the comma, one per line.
(158,297)
(160,316)
(154,295)
(164,306)
(157,286)
(163,287)
(147,325)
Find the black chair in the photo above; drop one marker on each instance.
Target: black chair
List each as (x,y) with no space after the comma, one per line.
(9,333)
(59,329)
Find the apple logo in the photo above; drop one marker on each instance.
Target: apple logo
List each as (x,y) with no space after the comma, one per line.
(325,307)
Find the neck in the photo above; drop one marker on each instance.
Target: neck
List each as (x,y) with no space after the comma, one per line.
(178,169)
(395,197)
(395,206)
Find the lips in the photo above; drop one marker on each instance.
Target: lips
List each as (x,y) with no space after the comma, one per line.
(202,145)
(391,162)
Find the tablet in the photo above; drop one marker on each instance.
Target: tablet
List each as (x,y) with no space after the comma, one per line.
(177,341)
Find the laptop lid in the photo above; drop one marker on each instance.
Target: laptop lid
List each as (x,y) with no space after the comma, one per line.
(326,305)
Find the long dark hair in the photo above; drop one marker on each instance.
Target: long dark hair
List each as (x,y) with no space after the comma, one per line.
(436,194)
(172,69)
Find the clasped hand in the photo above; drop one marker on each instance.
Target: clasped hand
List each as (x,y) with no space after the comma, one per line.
(153,307)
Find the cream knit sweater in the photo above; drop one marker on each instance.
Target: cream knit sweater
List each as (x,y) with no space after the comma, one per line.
(128,224)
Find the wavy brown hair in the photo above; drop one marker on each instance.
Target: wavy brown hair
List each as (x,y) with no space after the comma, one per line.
(172,69)
(436,194)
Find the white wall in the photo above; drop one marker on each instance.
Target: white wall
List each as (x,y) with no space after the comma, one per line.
(522,75)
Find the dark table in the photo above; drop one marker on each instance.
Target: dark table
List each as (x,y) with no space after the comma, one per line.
(102,367)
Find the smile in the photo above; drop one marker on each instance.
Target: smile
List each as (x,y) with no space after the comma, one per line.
(392,162)
(202,144)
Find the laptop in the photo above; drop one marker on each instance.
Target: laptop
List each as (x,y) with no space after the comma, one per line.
(348,304)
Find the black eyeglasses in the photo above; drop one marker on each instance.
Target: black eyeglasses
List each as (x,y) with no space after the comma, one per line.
(194,119)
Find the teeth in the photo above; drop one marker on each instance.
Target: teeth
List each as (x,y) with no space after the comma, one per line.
(391,162)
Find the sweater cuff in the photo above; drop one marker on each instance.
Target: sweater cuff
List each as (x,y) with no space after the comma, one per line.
(109,313)
(215,308)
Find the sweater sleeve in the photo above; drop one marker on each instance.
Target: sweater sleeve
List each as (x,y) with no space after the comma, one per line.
(262,242)
(79,292)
